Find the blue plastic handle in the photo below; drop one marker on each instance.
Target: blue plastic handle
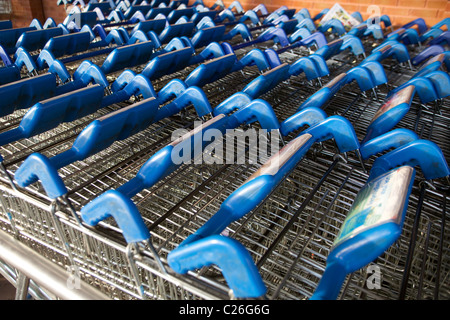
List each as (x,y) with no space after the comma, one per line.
(423,87)
(308,116)
(176,30)
(36,39)
(330,49)
(68,44)
(432,33)
(441,83)
(128,56)
(236,264)
(372,225)
(419,22)
(24,59)
(255,189)
(205,36)
(362,76)
(277,35)
(337,128)
(267,81)
(258,110)
(430,51)
(9,74)
(113,204)
(232,103)
(48,114)
(299,34)
(176,14)
(211,70)
(335,25)
(391,139)
(254,57)
(88,72)
(304,65)
(24,93)
(354,44)
(250,14)
(98,135)
(443,22)
(184,97)
(376,70)
(433,64)
(9,37)
(324,94)
(156,25)
(391,112)
(423,153)
(288,26)
(167,63)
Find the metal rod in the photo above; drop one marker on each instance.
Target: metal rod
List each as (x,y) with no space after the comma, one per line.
(43,272)
(412,245)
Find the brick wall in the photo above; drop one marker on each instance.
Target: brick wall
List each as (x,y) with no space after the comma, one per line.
(400,11)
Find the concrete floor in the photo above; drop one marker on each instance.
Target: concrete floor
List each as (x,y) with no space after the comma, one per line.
(7,290)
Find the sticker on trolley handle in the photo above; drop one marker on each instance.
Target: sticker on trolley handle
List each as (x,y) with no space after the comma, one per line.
(372,225)
(390,113)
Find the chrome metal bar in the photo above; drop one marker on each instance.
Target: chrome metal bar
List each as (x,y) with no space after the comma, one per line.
(48,275)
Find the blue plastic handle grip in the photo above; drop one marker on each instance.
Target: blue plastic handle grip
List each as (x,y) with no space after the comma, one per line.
(190,96)
(38,167)
(428,52)
(98,135)
(254,57)
(36,39)
(419,22)
(258,110)
(26,92)
(390,114)
(9,74)
(337,128)
(48,114)
(205,36)
(362,237)
(211,70)
(236,264)
(392,139)
(114,204)
(176,30)
(324,94)
(232,103)
(308,116)
(255,189)
(68,44)
(167,63)
(267,81)
(423,153)
(128,56)
(306,65)
(423,87)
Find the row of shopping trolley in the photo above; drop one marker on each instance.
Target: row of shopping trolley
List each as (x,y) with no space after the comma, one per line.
(177,151)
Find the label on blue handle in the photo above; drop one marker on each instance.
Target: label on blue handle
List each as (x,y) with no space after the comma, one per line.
(440,58)
(379,202)
(275,162)
(402,96)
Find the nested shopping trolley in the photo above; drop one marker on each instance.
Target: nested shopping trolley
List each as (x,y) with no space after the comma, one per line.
(126,219)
